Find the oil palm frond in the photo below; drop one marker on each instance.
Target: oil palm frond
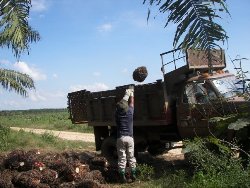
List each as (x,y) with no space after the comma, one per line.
(13,80)
(196,22)
(15,32)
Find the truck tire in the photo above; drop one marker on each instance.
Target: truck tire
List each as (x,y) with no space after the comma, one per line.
(108,149)
(156,148)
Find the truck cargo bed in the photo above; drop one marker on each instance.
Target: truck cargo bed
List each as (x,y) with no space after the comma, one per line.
(98,108)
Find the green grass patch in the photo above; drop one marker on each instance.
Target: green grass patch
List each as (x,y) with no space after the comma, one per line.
(51,119)
(11,140)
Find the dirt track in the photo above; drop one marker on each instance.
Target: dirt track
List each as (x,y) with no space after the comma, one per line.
(86,137)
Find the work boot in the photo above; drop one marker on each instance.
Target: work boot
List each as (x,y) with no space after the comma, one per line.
(122,176)
(133,174)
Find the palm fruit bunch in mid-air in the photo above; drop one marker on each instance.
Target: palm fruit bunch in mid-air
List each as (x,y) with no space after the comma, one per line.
(140,74)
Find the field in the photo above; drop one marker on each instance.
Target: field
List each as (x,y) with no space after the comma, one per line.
(51,119)
(62,163)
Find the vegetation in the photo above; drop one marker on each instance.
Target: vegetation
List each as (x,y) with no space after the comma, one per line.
(11,140)
(51,119)
(16,33)
(211,163)
(207,168)
(196,22)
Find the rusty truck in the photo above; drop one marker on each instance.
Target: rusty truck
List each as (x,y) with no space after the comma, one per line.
(168,110)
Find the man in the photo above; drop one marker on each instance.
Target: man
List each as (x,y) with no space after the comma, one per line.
(125,141)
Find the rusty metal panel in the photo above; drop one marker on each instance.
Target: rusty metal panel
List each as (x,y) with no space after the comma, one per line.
(200,59)
(77,106)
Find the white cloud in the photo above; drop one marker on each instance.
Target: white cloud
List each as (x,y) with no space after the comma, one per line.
(31,71)
(105,27)
(57,94)
(35,100)
(36,96)
(38,5)
(96,73)
(4,62)
(93,88)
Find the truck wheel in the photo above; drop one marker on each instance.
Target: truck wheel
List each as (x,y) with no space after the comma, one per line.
(109,149)
(156,148)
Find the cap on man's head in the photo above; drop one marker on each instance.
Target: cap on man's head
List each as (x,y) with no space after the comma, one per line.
(122,106)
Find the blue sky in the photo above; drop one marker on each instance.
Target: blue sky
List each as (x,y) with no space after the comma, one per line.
(97,44)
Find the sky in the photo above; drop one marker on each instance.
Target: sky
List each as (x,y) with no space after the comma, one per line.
(97,44)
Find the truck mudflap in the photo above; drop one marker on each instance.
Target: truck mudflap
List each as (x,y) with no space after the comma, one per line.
(77,106)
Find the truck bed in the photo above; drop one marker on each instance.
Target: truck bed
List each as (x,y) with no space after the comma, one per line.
(98,108)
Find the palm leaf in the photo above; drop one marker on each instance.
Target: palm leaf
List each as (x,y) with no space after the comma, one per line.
(196,22)
(15,32)
(13,80)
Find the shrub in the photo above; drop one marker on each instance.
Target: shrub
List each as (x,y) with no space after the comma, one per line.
(4,135)
(145,172)
(49,137)
(214,165)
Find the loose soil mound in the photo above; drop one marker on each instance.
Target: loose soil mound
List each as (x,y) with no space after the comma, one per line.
(33,168)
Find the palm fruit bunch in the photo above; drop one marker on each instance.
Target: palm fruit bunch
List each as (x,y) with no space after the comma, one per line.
(99,161)
(49,176)
(90,183)
(2,161)
(29,178)
(95,175)
(140,74)
(67,185)
(16,160)
(79,170)
(70,156)
(39,165)
(6,177)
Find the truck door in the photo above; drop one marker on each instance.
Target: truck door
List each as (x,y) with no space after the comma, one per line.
(194,108)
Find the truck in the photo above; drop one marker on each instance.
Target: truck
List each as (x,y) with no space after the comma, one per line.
(171,109)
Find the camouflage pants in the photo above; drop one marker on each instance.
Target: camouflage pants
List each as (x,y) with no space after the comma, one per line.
(125,151)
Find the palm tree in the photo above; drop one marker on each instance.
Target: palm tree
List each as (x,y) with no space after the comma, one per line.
(196,22)
(15,33)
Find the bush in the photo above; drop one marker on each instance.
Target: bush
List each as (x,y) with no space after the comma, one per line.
(48,137)
(214,165)
(4,135)
(145,172)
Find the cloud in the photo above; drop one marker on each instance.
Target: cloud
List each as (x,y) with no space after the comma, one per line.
(105,27)
(38,5)
(4,62)
(31,71)
(93,88)
(36,96)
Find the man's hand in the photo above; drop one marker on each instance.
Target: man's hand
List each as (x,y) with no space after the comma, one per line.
(128,93)
(131,93)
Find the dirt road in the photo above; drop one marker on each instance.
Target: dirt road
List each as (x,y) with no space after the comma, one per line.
(86,137)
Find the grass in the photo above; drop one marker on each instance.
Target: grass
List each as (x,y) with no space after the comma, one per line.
(51,119)
(11,140)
